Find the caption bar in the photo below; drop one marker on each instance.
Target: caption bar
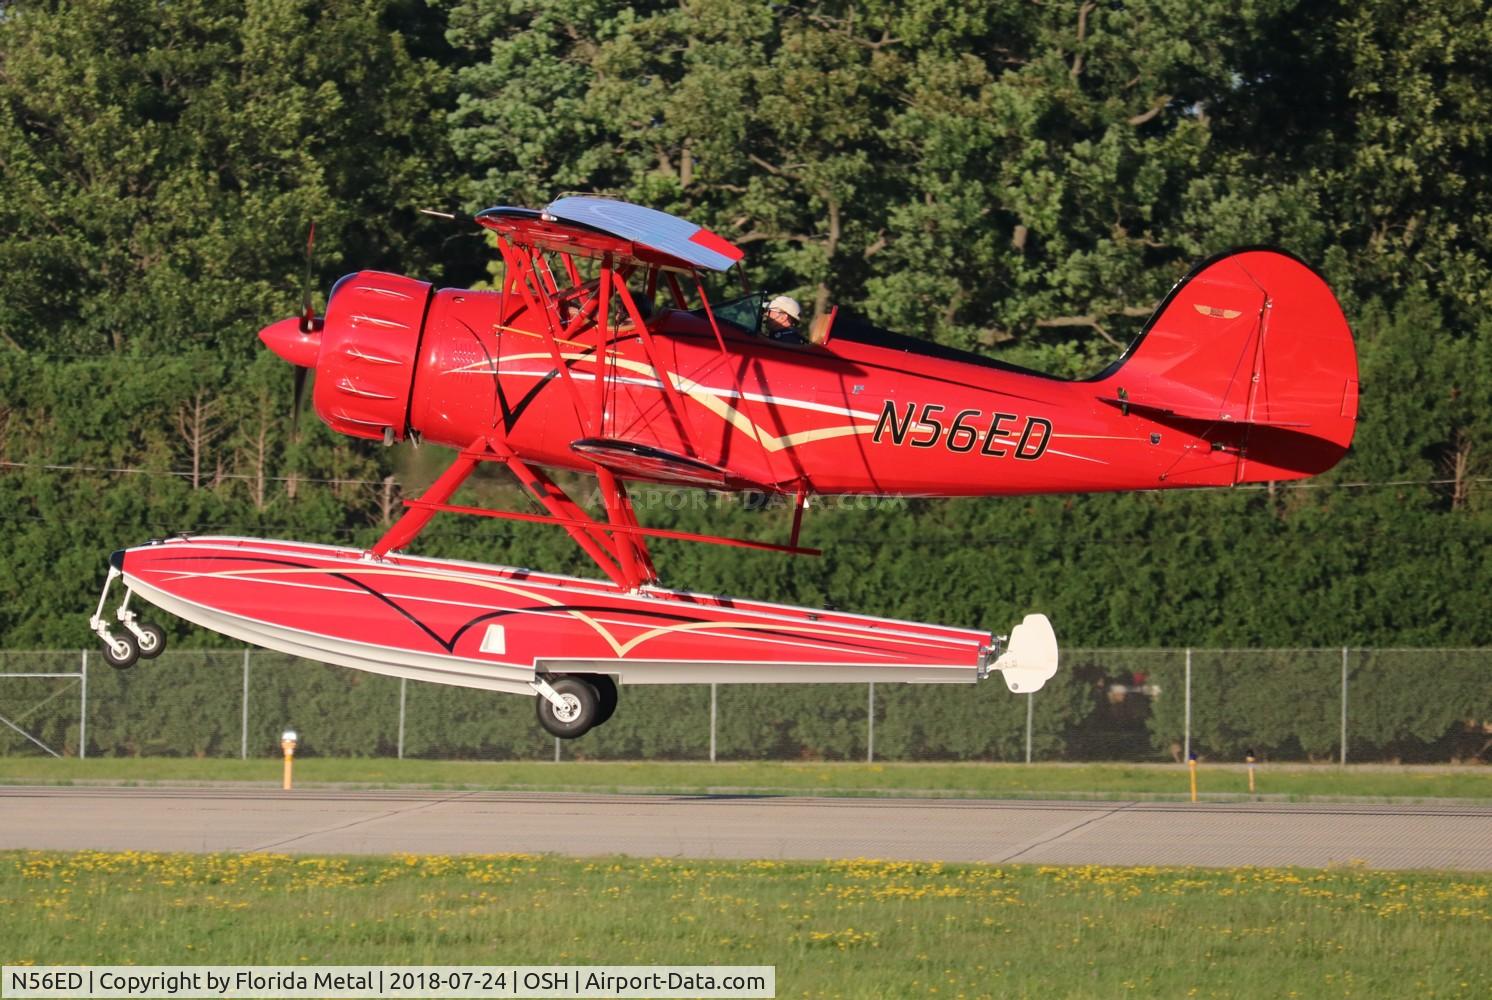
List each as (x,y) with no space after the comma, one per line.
(456,981)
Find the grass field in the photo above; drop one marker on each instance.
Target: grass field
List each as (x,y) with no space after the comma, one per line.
(1103,781)
(852,929)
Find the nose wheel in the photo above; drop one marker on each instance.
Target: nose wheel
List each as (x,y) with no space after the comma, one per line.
(121,651)
(137,640)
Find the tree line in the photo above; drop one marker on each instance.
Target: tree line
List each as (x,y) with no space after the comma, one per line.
(1020,180)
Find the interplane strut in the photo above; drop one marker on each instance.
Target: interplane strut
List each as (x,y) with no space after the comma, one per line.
(617,545)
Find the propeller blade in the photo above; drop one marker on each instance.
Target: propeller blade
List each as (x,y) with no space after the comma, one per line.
(449,216)
(298,399)
(307,314)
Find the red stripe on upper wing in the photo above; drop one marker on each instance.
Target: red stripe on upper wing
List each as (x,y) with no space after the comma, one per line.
(717,243)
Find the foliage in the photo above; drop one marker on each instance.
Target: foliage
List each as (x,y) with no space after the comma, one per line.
(163,161)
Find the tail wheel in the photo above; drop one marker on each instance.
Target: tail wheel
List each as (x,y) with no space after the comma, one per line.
(577,712)
(122,653)
(606,696)
(152,641)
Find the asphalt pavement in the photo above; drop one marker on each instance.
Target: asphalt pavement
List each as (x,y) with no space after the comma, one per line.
(340,821)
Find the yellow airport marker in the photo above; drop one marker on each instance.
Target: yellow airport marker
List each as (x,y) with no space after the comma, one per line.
(1248,756)
(1191,765)
(287,744)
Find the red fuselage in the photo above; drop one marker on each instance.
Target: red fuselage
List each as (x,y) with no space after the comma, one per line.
(846,417)
(1235,379)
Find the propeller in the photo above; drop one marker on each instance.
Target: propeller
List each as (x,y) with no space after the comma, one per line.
(308,324)
(307,314)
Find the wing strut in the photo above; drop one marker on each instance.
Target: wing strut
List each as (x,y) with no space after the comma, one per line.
(617,545)
(617,560)
(576,325)
(614,285)
(537,296)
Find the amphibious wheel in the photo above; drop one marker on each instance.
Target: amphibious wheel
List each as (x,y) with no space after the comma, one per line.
(578,713)
(122,653)
(606,697)
(152,643)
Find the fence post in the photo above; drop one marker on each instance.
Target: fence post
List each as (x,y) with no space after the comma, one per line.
(1344,706)
(403,684)
(243,726)
(870,726)
(1186,748)
(1030,712)
(556,749)
(712,722)
(83,711)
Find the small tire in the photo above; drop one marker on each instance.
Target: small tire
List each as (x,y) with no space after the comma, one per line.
(579,714)
(606,697)
(152,643)
(122,653)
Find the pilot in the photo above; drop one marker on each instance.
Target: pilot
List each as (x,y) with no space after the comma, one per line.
(781,319)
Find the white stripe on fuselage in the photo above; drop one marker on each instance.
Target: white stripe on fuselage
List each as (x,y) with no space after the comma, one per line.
(683,384)
(711,398)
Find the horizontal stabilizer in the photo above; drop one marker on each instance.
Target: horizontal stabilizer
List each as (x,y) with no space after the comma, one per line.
(1030,657)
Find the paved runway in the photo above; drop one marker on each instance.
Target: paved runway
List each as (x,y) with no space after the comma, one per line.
(431,822)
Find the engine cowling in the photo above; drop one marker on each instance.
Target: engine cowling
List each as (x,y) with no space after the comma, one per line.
(364,351)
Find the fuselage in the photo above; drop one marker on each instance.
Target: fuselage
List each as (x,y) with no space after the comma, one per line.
(846,417)
(1230,382)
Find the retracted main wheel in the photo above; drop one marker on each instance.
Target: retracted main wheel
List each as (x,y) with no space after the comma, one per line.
(122,653)
(152,641)
(577,712)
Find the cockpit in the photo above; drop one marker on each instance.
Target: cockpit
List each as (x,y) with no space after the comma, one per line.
(747,313)
(744,313)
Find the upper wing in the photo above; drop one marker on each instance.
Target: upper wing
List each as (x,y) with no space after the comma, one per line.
(592,227)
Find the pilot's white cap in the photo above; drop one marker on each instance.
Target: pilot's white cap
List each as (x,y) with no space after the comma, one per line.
(787,304)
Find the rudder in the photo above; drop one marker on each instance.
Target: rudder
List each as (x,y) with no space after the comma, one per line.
(1250,352)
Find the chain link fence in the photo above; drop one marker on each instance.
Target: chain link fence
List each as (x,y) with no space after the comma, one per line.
(1395,705)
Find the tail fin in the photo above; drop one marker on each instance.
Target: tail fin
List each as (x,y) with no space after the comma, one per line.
(1251,353)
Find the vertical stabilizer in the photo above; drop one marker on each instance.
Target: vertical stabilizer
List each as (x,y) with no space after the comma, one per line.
(1250,352)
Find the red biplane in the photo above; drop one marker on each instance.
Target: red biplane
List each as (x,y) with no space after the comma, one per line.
(602,353)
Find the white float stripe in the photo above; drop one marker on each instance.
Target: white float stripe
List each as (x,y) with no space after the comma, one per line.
(465,570)
(563,612)
(551,611)
(622,647)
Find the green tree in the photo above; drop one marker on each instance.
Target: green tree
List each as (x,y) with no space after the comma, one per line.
(159,199)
